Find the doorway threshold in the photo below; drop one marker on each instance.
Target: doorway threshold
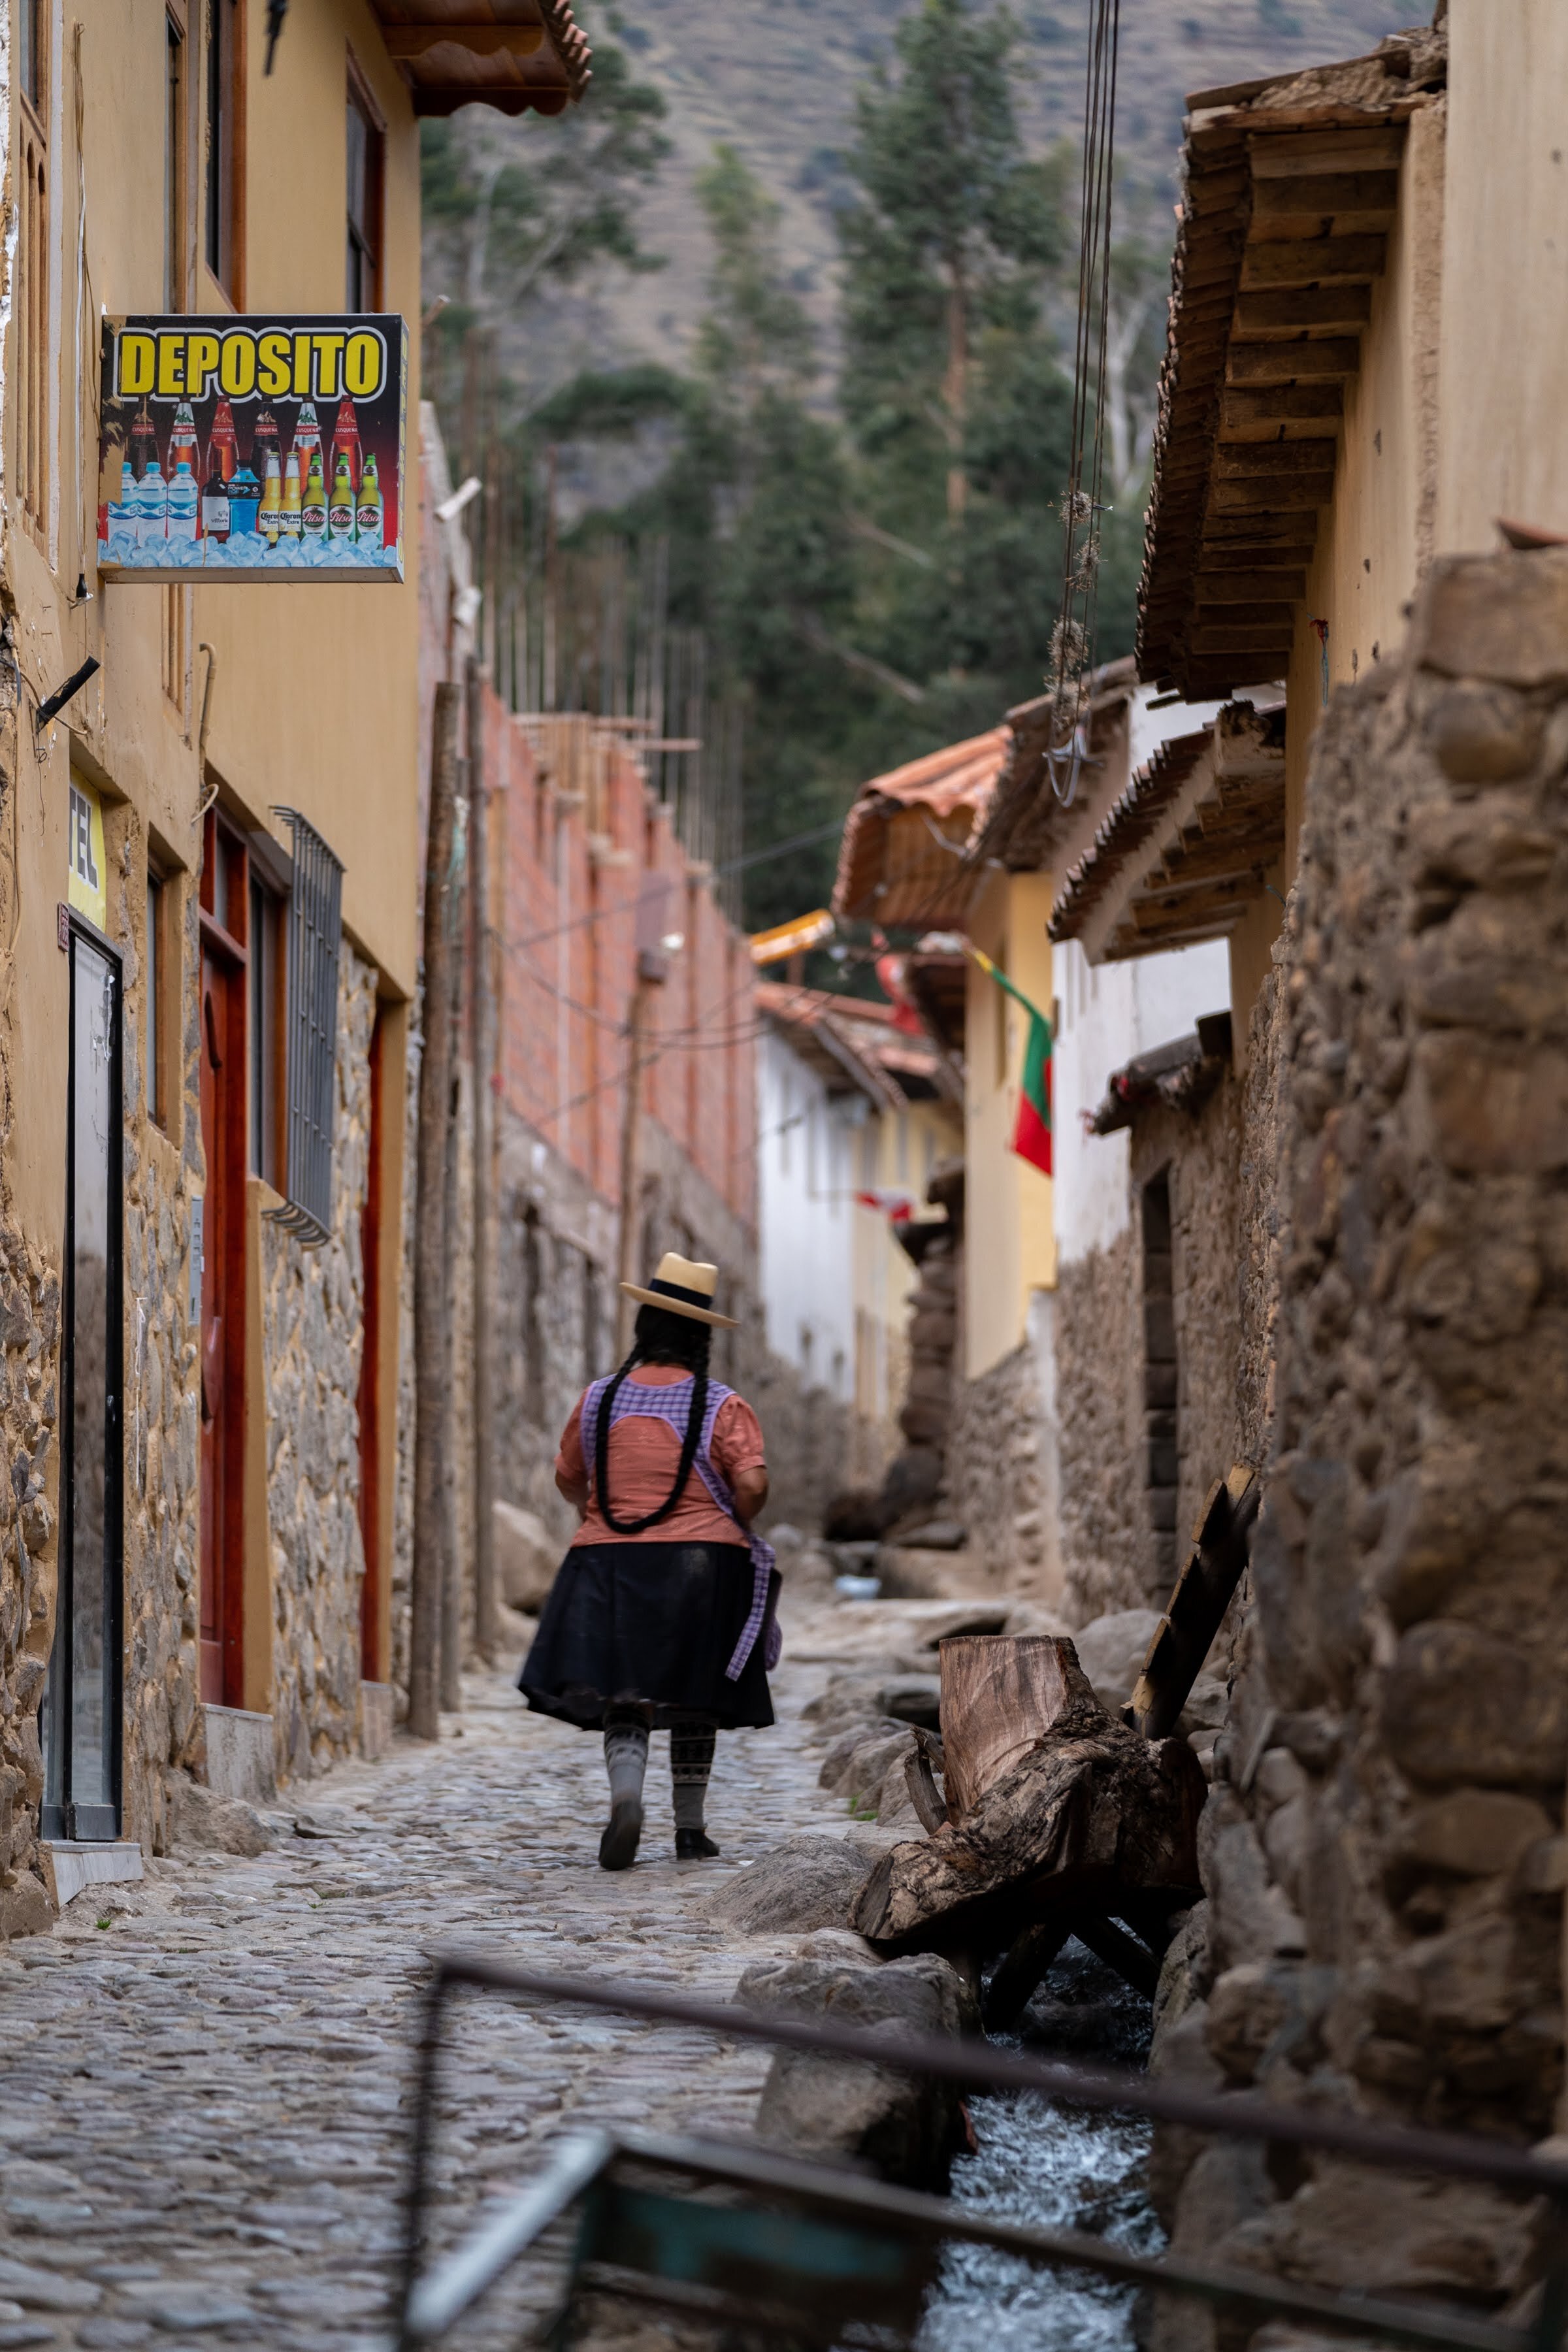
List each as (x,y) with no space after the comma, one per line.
(70,1866)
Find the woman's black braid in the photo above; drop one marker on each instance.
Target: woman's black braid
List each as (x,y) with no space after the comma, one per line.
(660,1337)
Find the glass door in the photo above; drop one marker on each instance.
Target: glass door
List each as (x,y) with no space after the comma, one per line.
(82,1696)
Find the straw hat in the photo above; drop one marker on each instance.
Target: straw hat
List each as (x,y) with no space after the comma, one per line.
(681,1287)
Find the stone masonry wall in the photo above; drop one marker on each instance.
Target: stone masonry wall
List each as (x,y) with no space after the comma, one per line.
(313,1303)
(998,1485)
(29,1372)
(402,1486)
(1106,1546)
(1383,1852)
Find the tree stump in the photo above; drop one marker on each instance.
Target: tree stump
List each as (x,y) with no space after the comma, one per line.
(1000,1694)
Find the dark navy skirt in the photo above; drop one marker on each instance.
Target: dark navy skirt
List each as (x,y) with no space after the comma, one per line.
(655,1623)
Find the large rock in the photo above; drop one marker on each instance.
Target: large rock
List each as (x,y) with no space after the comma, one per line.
(527,1557)
(906,2129)
(199,1817)
(1112,1651)
(809,1882)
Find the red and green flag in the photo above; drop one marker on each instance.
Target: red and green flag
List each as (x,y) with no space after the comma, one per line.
(1032,1127)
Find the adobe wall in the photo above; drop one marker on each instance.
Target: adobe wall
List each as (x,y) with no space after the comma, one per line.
(1383,1850)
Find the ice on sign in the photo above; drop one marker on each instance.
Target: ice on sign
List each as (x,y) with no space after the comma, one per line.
(253,448)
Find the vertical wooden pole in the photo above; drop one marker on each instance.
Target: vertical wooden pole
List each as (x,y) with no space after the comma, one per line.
(432,1325)
(481,1049)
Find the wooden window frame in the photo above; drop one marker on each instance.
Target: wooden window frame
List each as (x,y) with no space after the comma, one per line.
(158,999)
(31,273)
(223,104)
(267,1028)
(176,154)
(371,238)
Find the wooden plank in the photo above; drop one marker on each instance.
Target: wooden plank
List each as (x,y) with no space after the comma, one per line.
(1021,1971)
(1254,496)
(1311,261)
(1286,155)
(1150,915)
(1221,1545)
(1291,310)
(1258,636)
(1237,461)
(1319,195)
(1331,361)
(1243,586)
(482,40)
(1285,408)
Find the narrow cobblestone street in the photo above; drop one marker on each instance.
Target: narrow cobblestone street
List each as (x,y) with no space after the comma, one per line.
(214,2066)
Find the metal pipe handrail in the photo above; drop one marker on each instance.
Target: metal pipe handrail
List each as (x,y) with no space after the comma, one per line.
(977,2066)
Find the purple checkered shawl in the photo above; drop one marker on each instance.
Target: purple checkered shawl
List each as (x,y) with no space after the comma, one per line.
(671,1401)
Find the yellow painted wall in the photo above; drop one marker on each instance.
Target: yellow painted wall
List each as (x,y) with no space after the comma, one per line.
(1378,532)
(1009,1238)
(1503,432)
(893,1148)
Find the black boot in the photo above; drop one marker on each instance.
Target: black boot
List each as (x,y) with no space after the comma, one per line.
(623,1834)
(692,1845)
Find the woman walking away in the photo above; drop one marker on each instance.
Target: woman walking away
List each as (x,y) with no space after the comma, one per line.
(662,1612)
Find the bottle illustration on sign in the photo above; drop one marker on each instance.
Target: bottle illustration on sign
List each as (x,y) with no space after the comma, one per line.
(313,505)
(346,441)
(341,513)
(223,443)
(151,507)
(184,449)
(269,514)
(120,516)
(370,517)
(184,499)
(244,497)
(215,497)
(143,442)
(265,442)
(289,527)
(307,440)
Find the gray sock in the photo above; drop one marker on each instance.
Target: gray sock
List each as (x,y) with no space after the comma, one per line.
(690,1763)
(625,1761)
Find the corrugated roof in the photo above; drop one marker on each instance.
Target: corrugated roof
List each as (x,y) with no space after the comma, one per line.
(1289,188)
(518,56)
(900,861)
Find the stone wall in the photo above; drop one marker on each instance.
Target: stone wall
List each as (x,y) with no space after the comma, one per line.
(312,1311)
(403,1488)
(1001,1476)
(1106,1548)
(1383,1851)
(163,1173)
(29,1371)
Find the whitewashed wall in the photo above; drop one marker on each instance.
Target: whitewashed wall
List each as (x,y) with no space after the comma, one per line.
(807,1172)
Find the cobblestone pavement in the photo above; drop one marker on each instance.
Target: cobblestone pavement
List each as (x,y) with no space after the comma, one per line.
(203,2124)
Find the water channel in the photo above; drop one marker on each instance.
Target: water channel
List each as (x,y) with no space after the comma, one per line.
(1050,2165)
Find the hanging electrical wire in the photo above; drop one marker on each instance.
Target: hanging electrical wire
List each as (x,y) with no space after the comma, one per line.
(1073,640)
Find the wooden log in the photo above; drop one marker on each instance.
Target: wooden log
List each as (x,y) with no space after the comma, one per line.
(1090,1810)
(1020,1973)
(1000,1694)
(1132,1960)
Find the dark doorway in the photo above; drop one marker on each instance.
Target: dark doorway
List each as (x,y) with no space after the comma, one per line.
(225,915)
(1159,1375)
(82,1696)
(371,1666)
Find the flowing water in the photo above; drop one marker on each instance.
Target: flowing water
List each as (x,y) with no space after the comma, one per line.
(1056,2168)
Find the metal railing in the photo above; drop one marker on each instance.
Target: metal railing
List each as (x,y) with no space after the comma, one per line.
(430,2302)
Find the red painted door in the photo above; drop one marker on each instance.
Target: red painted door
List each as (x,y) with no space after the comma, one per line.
(222,1311)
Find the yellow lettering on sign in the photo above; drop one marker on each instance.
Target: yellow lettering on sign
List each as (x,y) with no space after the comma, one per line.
(277,369)
(86,880)
(237,366)
(201,363)
(170,366)
(136,359)
(302,366)
(330,348)
(363,365)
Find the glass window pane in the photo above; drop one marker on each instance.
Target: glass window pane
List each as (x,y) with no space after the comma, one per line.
(94,1353)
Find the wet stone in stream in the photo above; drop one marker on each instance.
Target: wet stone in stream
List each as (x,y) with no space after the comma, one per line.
(1052,2168)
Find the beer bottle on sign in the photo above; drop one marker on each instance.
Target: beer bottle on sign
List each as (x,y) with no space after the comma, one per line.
(264,443)
(345,440)
(291,524)
(307,439)
(184,497)
(223,443)
(183,447)
(340,513)
(269,514)
(143,442)
(214,498)
(370,519)
(152,508)
(313,505)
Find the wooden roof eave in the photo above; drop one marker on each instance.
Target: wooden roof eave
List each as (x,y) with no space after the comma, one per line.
(535,58)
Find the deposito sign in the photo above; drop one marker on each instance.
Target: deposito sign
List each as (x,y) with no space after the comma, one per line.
(253,448)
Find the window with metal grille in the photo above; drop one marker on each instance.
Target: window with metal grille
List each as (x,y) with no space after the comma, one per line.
(315,933)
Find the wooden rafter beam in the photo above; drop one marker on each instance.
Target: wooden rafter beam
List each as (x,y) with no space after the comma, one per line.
(1299,361)
(1311,261)
(481,40)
